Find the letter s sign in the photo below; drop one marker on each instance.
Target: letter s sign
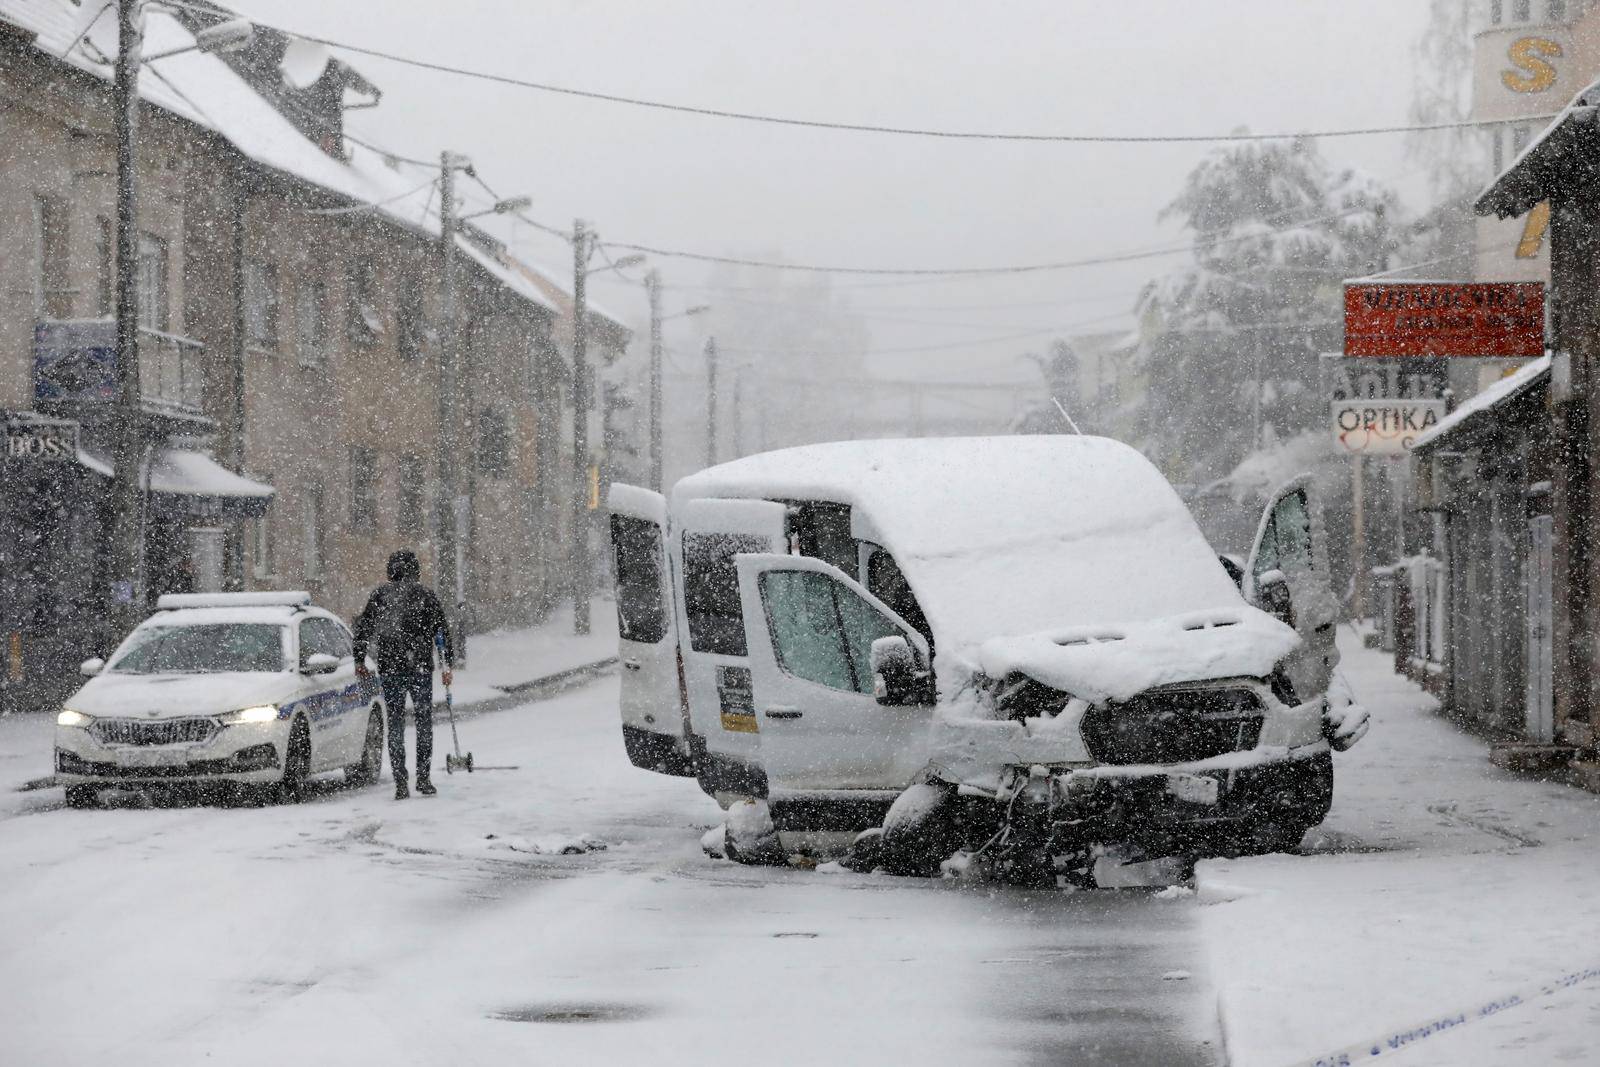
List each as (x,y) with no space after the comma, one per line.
(1528,55)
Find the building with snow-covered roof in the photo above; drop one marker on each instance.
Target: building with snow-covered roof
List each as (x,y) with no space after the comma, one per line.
(289,279)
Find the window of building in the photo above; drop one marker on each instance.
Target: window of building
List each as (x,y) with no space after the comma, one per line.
(105,251)
(1497,12)
(410,326)
(1556,10)
(261,305)
(311,322)
(363,494)
(1521,134)
(261,550)
(1522,10)
(494,444)
(365,324)
(411,509)
(152,281)
(315,531)
(52,291)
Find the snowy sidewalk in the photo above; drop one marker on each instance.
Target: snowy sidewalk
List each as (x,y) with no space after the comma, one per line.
(1438,884)
(506,663)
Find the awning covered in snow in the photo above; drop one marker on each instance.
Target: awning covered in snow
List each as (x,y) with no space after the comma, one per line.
(203,485)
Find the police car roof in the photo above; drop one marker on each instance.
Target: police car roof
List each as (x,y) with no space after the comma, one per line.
(296,598)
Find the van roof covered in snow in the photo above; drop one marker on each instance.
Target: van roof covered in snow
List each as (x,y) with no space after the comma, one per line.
(1004,535)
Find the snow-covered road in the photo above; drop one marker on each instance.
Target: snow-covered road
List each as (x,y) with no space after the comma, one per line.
(355,929)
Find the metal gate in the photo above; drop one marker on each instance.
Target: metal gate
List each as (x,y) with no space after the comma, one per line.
(1541,620)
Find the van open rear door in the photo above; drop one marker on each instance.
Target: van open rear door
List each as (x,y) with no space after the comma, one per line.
(647,639)
(1287,577)
(706,536)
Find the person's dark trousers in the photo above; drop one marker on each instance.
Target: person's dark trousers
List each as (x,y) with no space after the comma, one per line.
(418,686)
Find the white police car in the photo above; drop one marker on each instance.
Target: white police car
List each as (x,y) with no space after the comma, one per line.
(242,689)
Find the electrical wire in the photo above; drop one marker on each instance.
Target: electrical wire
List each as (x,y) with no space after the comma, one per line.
(863,127)
(357,208)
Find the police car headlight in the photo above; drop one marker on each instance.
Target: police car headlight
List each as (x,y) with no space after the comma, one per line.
(68,717)
(259,713)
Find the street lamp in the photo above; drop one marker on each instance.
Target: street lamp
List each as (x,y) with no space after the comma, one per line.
(652,285)
(126,431)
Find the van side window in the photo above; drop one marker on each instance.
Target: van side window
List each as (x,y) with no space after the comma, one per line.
(806,635)
(711,590)
(821,630)
(641,604)
(822,531)
(888,583)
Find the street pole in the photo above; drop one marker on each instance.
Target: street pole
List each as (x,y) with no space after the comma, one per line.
(1358,540)
(736,410)
(579,549)
(127,535)
(450,564)
(711,401)
(652,284)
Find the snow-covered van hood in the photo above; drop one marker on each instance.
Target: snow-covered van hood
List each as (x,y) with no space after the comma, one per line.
(175,696)
(1117,662)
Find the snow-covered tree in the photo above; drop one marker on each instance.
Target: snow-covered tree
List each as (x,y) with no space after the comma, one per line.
(1231,339)
(1059,368)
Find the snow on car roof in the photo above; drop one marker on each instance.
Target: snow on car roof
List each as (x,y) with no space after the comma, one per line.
(276,615)
(1005,535)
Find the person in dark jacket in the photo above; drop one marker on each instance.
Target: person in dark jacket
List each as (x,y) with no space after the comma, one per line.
(403,616)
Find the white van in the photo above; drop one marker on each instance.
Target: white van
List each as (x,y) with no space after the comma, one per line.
(965,625)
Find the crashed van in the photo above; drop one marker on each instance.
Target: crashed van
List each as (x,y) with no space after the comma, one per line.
(1016,647)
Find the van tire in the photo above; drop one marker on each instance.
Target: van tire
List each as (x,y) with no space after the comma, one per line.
(921,831)
(750,837)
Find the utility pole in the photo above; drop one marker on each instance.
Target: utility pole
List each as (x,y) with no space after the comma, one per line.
(579,548)
(711,401)
(453,573)
(127,532)
(652,284)
(736,411)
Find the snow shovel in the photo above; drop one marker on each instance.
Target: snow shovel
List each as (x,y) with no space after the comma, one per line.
(456,762)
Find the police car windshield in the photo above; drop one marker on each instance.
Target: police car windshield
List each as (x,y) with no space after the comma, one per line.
(202,649)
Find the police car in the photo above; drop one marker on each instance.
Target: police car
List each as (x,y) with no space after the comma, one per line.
(253,690)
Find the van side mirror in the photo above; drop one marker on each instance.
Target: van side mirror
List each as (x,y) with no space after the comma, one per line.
(899,678)
(1272,596)
(319,663)
(91,667)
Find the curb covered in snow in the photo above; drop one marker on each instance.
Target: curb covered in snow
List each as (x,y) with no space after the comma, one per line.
(1399,1040)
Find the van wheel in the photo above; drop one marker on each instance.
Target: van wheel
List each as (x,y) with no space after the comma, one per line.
(921,831)
(751,838)
(371,766)
(82,796)
(296,765)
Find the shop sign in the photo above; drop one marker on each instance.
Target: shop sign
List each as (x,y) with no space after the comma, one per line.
(1378,407)
(1493,319)
(75,361)
(26,441)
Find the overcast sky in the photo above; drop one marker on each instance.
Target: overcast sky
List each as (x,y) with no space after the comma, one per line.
(735,188)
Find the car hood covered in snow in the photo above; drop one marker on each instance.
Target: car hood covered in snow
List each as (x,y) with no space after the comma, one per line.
(1022,550)
(174,696)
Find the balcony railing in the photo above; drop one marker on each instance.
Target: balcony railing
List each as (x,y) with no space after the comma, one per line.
(170,370)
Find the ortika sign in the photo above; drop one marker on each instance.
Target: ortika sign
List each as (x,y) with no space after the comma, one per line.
(1504,319)
(1383,427)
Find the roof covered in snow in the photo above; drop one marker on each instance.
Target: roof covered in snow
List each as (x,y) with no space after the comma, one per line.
(1526,377)
(1005,535)
(203,89)
(1566,153)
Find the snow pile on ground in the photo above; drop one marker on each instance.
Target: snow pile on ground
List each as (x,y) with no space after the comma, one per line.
(1438,886)
(549,845)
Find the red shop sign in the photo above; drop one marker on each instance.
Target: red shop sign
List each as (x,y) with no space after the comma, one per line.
(1444,319)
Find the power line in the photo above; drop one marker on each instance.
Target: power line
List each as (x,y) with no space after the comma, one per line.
(866,127)
(357,208)
(1029,268)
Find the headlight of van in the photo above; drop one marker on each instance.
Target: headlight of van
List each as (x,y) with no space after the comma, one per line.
(68,717)
(259,713)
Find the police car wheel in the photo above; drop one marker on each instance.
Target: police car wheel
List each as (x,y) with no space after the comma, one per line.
(296,764)
(371,766)
(82,796)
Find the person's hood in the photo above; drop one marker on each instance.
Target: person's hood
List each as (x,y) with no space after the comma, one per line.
(1117,662)
(154,697)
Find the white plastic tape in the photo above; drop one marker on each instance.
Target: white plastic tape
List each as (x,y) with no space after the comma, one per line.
(1399,1040)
